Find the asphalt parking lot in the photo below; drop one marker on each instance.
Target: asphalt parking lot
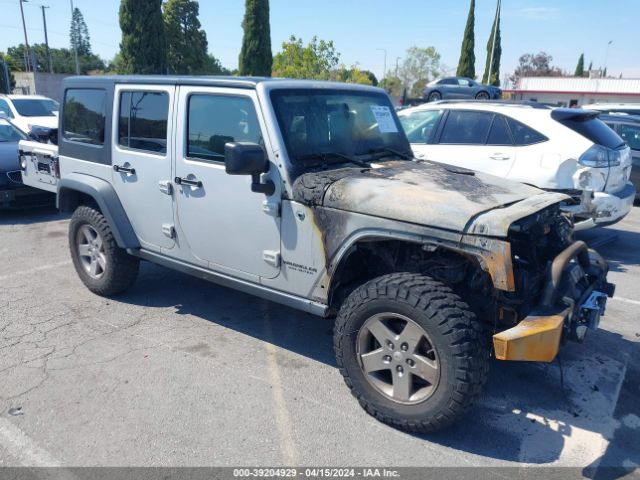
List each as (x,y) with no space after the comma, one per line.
(181,372)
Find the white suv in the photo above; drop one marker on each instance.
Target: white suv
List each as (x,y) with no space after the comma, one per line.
(28,111)
(566,150)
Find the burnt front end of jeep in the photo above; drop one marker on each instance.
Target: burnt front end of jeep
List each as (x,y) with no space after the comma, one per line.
(560,288)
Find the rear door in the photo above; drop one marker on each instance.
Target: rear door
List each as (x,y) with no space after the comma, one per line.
(142,160)
(474,139)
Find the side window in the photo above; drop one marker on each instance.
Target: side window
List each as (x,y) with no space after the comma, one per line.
(214,120)
(523,135)
(4,108)
(419,124)
(84,115)
(463,82)
(466,127)
(631,135)
(142,122)
(448,81)
(499,133)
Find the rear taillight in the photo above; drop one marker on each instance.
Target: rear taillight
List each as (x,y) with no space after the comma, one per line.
(600,157)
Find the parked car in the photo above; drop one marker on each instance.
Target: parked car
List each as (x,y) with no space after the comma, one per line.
(459,88)
(29,111)
(625,108)
(305,193)
(628,127)
(565,150)
(13,193)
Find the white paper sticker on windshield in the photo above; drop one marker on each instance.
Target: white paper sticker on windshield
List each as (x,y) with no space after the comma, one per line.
(384,119)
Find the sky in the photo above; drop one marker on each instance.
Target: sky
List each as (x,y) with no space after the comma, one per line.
(362,30)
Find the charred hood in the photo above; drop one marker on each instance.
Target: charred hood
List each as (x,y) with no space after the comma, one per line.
(421,193)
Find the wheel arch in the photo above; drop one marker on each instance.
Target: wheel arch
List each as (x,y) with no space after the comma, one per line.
(347,272)
(77,189)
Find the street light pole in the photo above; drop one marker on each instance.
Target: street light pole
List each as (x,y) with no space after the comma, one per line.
(75,47)
(26,42)
(384,73)
(46,38)
(606,56)
(397,58)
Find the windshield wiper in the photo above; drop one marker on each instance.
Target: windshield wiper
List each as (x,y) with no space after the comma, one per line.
(323,156)
(403,155)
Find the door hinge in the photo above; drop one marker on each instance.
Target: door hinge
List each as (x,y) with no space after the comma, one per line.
(271,208)
(272,257)
(169,230)
(166,187)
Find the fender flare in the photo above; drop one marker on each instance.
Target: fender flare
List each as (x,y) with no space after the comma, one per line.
(103,193)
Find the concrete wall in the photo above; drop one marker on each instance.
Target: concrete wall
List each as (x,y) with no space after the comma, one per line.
(47,84)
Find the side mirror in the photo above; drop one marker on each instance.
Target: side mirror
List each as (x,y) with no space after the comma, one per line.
(245,158)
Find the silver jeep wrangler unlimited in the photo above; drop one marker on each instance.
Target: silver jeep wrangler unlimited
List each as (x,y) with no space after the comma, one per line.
(306,193)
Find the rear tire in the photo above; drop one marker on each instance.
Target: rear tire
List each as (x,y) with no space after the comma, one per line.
(103,267)
(425,337)
(434,97)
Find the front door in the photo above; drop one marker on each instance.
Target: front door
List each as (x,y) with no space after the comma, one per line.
(224,223)
(142,158)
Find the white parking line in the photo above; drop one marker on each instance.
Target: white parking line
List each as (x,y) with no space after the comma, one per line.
(25,450)
(34,270)
(626,300)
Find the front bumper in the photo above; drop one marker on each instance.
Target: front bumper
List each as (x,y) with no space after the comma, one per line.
(604,208)
(572,302)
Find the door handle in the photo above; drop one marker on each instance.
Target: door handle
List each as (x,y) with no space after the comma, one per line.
(122,169)
(187,182)
(499,156)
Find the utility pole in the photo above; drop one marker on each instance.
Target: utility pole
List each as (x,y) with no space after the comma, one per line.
(26,42)
(493,45)
(397,58)
(384,73)
(75,47)
(46,38)
(606,57)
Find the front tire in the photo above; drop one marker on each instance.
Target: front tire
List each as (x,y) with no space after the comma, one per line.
(434,97)
(103,267)
(411,351)
(482,96)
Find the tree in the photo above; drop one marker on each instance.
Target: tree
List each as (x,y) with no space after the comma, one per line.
(63,59)
(354,75)
(590,65)
(186,41)
(392,85)
(580,67)
(5,71)
(420,65)
(314,61)
(467,63)
(536,65)
(79,34)
(255,55)
(492,72)
(143,47)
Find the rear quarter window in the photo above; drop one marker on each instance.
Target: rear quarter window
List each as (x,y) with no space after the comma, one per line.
(524,135)
(84,115)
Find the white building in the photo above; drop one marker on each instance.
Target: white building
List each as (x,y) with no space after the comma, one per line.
(575,91)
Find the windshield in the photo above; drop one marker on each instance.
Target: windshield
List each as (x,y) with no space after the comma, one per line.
(337,122)
(9,133)
(40,107)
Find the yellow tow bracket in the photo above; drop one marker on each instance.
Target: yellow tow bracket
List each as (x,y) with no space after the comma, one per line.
(534,339)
